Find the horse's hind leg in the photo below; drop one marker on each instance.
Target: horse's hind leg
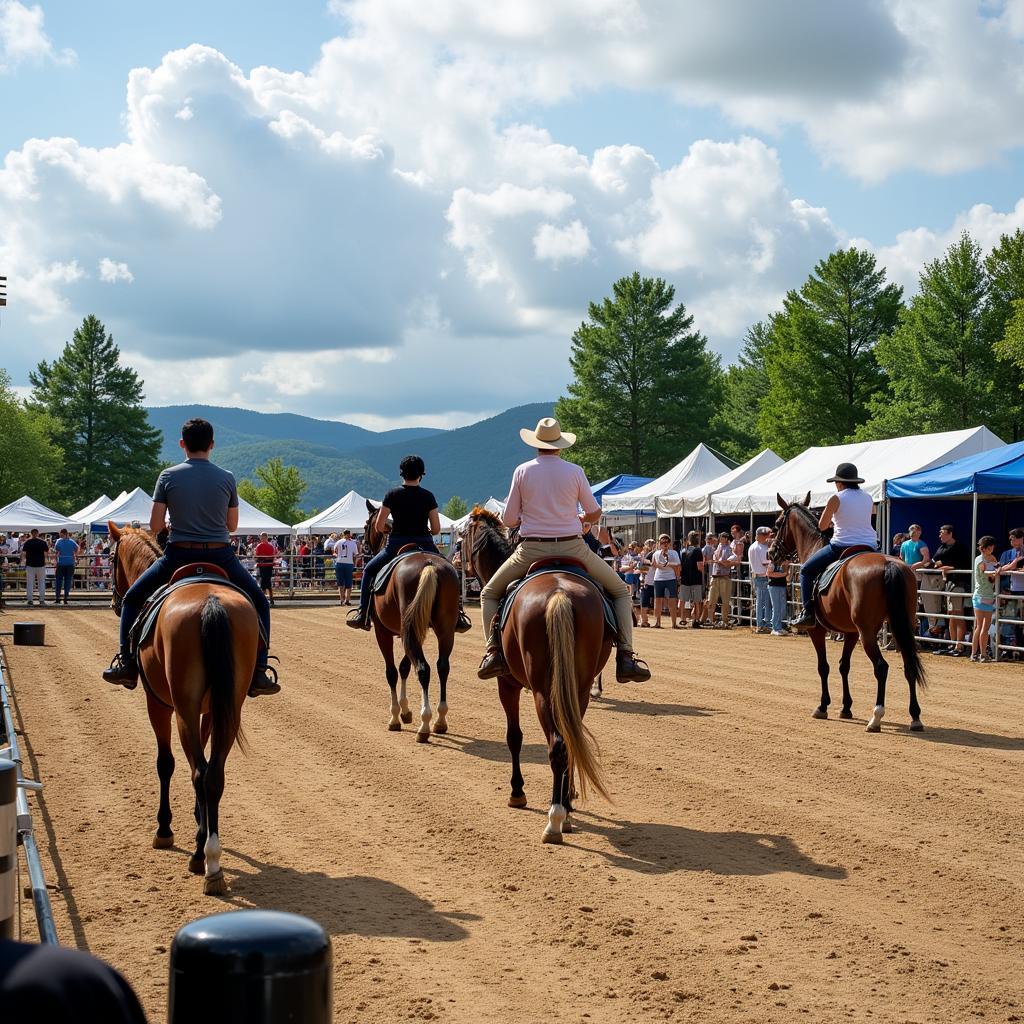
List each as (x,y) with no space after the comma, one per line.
(849,642)
(191,741)
(445,644)
(214,883)
(558,758)
(881,667)
(422,667)
(508,692)
(386,643)
(817,635)
(404,668)
(160,719)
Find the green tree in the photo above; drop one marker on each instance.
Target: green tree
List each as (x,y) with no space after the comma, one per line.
(30,463)
(282,487)
(456,508)
(1005,330)
(645,387)
(938,359)
(821,369)
(744,387)
(95,404)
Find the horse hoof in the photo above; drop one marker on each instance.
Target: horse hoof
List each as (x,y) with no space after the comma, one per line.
(422,737)
(818,713)
(551,836)
(517,801)
(595,691)
(916,726)
(873,727)
(394,727)
(441,728)
(163,842)
(406,717)
(197,865)
(846,713)
(215,885)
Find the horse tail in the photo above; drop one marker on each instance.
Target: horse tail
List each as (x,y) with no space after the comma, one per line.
(895,584)
(219,668)
(417,615)
(565,697)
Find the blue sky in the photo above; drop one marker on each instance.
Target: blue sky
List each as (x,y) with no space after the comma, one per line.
(404,187)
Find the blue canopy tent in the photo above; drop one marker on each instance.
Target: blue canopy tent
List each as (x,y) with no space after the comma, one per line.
(619,484)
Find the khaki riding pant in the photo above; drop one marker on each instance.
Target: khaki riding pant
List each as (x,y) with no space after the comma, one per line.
(721,590)
(531,551)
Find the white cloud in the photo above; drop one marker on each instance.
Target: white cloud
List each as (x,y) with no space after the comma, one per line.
(112,272)
(24,40)
(559,244)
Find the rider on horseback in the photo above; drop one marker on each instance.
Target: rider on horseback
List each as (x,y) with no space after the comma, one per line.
(849,511)
(413,510)
(202,503)
(544,503)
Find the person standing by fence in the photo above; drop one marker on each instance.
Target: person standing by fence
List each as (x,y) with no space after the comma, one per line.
(65,552)
(265,553)
(345,551)
(758,555)
(33,553)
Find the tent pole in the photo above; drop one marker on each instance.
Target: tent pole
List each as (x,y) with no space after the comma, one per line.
(974,522)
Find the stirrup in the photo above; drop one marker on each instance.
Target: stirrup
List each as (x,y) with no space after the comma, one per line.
(357,620)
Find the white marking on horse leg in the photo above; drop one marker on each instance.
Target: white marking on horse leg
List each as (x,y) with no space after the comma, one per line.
(212,851)
(395,722)
(553,830)
(875,725)
(426,715)
(441,725)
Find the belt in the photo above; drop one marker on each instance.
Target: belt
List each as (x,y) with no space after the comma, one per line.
(550,540)
(198,544)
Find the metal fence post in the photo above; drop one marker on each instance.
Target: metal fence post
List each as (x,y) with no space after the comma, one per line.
(8,847)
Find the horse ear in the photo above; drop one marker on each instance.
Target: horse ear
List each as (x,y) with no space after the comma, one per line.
(370,507)
(807,500)
(114,531)
(781,500)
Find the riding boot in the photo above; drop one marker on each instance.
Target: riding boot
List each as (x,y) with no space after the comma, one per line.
(264,682)
(629,668)
(358,619)
(463,625)
(123,671)
(806,620)
(493,664)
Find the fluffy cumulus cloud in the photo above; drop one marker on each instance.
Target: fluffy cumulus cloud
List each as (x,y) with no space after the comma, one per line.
(294,239)
(23,38)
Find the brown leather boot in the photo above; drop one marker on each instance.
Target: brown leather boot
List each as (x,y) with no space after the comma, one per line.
(629,668)
(493,664)
(123,671)
(264,682)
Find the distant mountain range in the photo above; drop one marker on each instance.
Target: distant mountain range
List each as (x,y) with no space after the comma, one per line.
(472,462)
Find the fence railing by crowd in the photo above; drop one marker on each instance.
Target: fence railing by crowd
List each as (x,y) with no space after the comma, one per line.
(24,835)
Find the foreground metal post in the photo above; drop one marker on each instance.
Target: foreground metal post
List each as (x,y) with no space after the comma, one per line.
(8,847)
(250,967)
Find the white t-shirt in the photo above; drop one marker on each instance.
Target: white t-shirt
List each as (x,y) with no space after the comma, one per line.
(649,574)
(758,555)
(626,563)
(345,551)
(852,520)
(663,563)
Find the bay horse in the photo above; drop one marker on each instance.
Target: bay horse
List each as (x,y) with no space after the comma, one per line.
(869,590)
(422,593)
(556,644)
(196,665)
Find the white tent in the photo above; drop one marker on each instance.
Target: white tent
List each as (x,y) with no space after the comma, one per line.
(347,513)
(26,513)
(697,468)
(252,520)
(697,500)
(876,461)
(134,507)
(492,504)
(84,515)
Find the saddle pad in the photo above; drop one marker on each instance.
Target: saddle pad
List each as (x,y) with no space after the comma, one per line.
(151,609)
(826,578)
(568,569)
(385,574)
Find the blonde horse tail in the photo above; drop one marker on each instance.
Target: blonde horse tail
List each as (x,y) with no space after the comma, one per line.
(416,617)
(565,697)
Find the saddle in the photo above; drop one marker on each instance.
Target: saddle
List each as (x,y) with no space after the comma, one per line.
(568,566)
(381,582)
(186,576)
(826,578)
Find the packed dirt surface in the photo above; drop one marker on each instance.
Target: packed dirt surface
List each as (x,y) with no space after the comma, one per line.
(755,865)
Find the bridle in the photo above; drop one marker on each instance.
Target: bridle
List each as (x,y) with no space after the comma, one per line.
(785,548)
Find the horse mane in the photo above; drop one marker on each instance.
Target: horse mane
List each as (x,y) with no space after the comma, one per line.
(808,516)
(485,515)
(492,532)
(145,536)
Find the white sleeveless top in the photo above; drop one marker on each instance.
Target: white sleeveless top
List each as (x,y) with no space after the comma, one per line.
(852,520)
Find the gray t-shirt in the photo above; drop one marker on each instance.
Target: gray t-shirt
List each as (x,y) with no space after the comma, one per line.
(197,494)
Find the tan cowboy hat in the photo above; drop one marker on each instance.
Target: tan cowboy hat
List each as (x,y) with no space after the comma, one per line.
(547,435)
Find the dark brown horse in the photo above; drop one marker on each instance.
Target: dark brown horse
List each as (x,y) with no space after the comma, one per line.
(422,593)
(556,644)
(868,591)
(196,665)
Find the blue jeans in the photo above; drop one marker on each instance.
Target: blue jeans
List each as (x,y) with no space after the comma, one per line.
(379,560)
(777,596)
(65,573)
(813,568)
(173,559)
(762,611)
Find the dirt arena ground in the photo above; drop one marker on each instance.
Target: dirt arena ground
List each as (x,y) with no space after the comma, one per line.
(755,866)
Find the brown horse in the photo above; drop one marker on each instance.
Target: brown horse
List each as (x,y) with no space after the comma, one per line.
(556,644)
(867,591)
(196,665)
(422,593)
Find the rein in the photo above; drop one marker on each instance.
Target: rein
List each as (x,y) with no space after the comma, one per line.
(787,548)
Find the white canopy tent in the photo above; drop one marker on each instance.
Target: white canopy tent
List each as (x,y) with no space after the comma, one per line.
(252,520)
(26,513)
(134,507)
(347,513)
(697,468)
(84,515)
(697,500)
(876,461)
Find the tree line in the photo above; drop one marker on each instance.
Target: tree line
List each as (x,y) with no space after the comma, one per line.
(845,358)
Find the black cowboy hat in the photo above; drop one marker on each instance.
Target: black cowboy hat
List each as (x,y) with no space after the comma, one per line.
(846,473)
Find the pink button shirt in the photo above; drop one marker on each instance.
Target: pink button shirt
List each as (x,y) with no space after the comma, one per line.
(546,496)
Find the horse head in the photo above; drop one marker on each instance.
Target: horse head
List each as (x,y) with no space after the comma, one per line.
(372,537)
(132,552)
(795,529)
(485,544)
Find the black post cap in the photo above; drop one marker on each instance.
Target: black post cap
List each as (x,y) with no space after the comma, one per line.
(256,966)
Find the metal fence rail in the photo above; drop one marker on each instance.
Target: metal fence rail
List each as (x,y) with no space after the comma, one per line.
(26,837)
